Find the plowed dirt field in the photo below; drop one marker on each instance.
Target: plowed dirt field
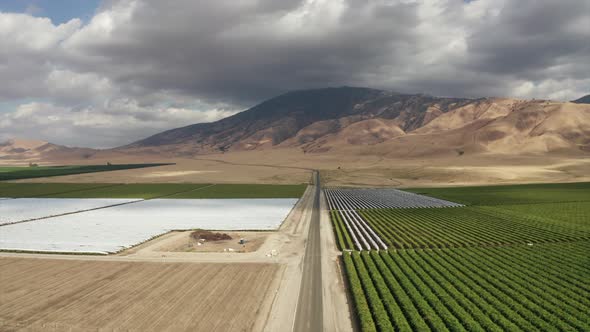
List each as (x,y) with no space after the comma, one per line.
(74,295)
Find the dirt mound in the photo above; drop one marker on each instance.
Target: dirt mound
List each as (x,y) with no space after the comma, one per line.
(209,236)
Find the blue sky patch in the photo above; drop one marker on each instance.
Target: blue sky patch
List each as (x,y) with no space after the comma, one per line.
(59,11)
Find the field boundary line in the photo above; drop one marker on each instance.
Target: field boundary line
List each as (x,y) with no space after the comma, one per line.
(182,192)
(531,203)
(255,165)
(69,213)
(116,167)
(100,207)
(75,191)
(67,192)
(483,246)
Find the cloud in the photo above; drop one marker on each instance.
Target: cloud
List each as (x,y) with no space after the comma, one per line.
(116,122)
(121,75)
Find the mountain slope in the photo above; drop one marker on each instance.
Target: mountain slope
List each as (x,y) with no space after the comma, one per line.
(24,148)
(300,117)
(385,123)
(22,151)
(360,121)
(583,100)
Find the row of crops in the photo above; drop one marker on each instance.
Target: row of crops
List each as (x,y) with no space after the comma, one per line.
(516,258)
(15,173)
(367,229)
(354,233)
(469,226)
(353,230)
(353,199)
(149,190)
(512,194)
(522,288)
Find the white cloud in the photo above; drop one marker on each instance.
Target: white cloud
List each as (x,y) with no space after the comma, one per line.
(23,31)
(122,122)
(139,66)
(101,28)
(552,89)
(80,87)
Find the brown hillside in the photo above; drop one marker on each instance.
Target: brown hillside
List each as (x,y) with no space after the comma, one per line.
(384,123)
(360,121)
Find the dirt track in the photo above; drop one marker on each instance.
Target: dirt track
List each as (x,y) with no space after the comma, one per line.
(43,295)
(337,308)
(309,316)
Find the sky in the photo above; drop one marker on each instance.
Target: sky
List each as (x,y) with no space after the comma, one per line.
(104,73)
(59,11)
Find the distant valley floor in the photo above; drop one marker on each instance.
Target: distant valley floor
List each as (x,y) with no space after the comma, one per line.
(292,166)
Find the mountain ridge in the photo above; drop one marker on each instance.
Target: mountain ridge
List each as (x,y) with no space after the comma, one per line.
(359,121)
(582,100)
(25,150)
(279,119)
(330,119)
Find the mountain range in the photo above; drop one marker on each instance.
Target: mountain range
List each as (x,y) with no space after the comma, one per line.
(582,100)
(365,121)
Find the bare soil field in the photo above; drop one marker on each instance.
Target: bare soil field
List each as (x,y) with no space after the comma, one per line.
(457,171)
(58,295)
(288,165)
(183,242)
(185,171)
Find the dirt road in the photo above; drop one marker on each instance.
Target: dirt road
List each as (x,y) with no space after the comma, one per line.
(337,308)
(309,315)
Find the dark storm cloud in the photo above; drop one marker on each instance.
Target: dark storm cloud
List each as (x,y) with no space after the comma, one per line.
(254,50)
(527,37)
(196,61)
(242,52)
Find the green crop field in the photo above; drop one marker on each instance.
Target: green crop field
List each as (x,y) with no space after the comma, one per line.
(521,288)
(246,191)
(150,190)
(511,194)
(135,190)
(5,169)
(516,258)
(18,190)
(17,173)
(469,226)
(571,215)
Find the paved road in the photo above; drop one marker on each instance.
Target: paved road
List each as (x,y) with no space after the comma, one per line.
(309,315)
